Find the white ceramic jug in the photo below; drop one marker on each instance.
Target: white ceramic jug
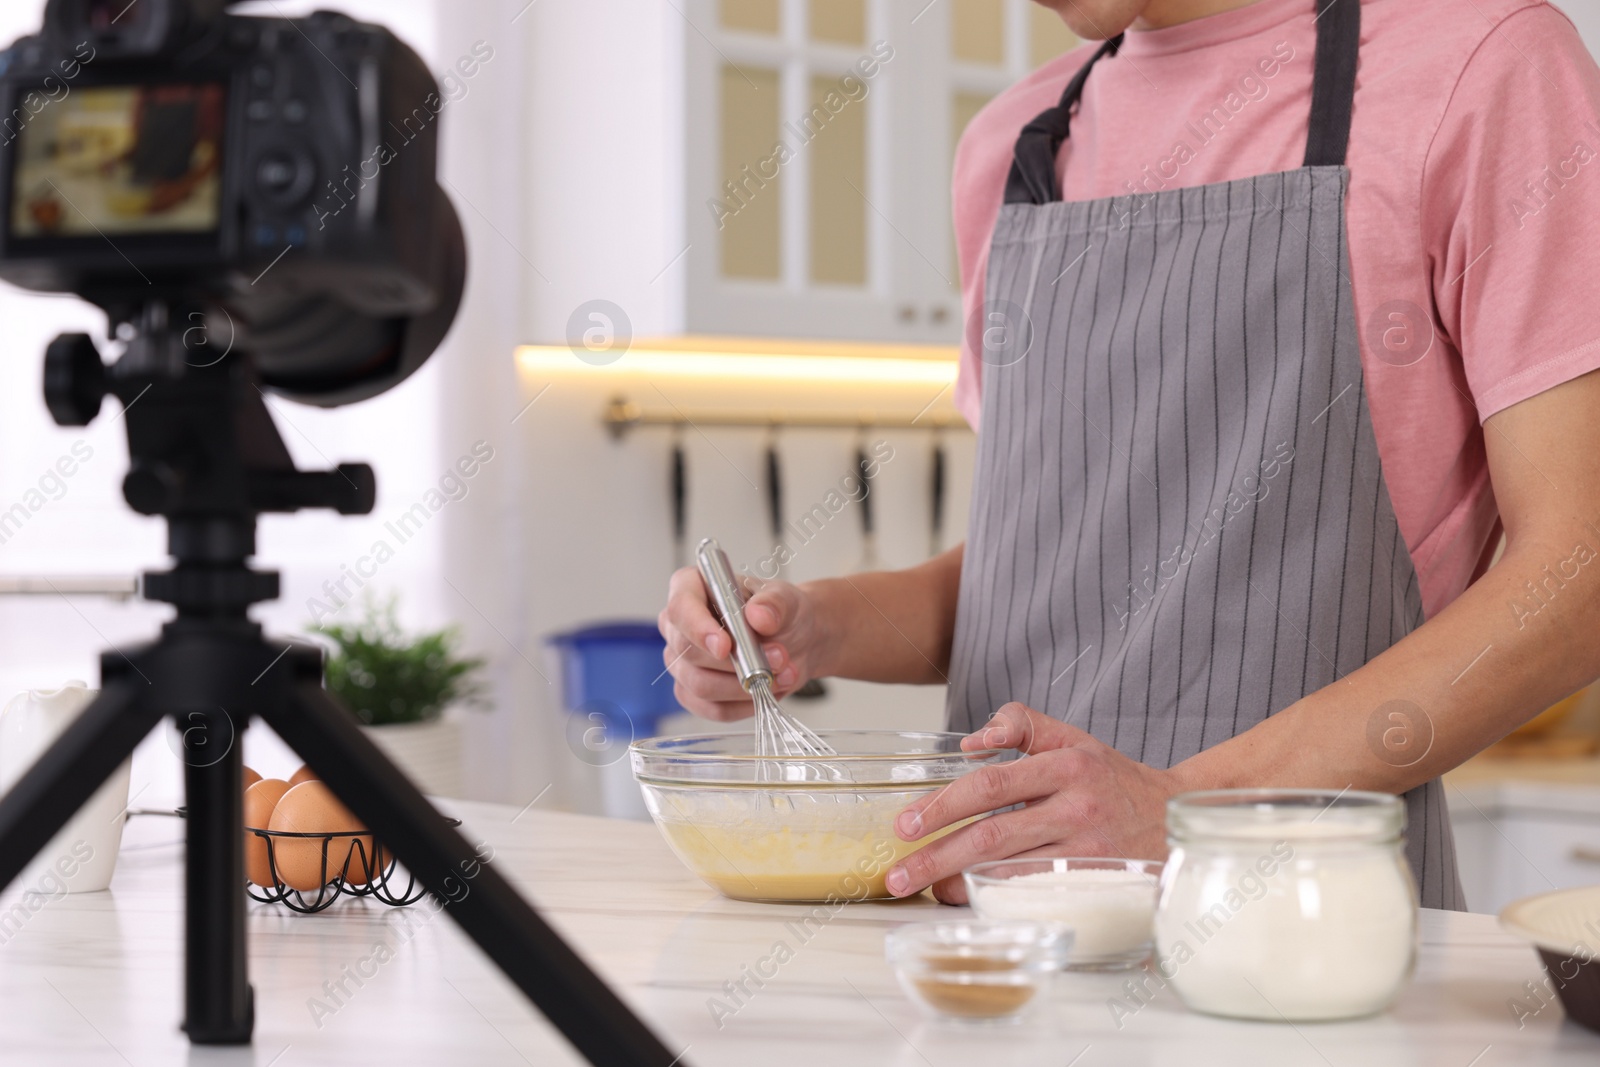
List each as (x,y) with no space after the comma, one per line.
(81,858)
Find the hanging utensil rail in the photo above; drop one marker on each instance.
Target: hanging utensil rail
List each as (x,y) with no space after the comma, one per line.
(622,415)
(116,587)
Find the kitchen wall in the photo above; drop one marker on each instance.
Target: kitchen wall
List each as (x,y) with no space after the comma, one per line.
(595,514)
(1585,14)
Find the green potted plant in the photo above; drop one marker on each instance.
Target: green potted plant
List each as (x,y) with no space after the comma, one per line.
(400,687)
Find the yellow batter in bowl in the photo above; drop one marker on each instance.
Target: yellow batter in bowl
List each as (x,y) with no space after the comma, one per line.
(814,829)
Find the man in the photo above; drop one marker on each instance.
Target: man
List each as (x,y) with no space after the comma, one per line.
(1278,313)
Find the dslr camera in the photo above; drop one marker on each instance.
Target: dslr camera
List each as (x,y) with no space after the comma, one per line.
(253,185)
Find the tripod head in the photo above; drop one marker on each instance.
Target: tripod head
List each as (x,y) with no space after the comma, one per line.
(204,454)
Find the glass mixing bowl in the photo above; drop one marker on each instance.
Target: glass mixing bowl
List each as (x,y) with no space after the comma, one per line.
(795,828)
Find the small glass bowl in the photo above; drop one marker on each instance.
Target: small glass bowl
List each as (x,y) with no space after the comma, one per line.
(1109,904)
(973,971)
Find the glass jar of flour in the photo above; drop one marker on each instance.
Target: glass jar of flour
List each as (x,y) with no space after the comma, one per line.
(1286,904)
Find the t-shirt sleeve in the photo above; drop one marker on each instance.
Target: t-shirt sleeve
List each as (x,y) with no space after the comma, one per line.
(1511,211)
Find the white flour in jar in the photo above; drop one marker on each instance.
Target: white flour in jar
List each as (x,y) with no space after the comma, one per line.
(1110,911)
(1312,930)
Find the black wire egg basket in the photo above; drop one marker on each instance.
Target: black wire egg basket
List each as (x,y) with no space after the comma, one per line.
(367,870)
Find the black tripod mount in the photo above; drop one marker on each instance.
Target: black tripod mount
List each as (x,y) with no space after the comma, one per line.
(205,455)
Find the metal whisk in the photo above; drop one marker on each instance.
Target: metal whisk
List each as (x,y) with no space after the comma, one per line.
(777,734)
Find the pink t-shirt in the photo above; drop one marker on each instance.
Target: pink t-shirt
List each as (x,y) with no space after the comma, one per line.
(1474,202)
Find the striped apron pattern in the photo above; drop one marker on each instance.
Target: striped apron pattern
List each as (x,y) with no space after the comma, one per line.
(1179,523)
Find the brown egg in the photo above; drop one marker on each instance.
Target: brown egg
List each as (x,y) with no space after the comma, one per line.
(311,807)
(249,778)
(304,774)
(259,802)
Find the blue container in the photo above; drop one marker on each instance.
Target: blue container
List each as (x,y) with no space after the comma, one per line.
(616,669)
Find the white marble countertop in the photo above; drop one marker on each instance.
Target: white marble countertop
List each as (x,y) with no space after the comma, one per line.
(94,979)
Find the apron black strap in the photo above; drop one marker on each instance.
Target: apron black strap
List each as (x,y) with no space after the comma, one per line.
(1033,166)
(1333,86)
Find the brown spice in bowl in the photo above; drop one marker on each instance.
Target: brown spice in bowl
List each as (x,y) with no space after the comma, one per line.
(973,1000)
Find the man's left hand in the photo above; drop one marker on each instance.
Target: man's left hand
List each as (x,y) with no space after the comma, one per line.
(1082,797)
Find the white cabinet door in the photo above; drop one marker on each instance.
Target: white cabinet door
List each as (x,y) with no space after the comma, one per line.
(820,135)
(790,204)
(1514,846)
(1546,851)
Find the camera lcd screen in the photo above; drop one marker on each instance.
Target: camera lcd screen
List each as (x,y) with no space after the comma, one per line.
(109,160)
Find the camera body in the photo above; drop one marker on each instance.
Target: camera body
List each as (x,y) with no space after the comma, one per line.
(276,173)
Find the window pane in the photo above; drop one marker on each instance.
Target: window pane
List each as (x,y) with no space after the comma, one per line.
(757,16)
(977,31)
(748,212)
(962,107)
(837,126)
(842,21)
(1048,36)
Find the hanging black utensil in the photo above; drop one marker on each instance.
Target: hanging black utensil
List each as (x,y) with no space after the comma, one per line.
(680,502)
(869,539)
(936,489)
(774,490)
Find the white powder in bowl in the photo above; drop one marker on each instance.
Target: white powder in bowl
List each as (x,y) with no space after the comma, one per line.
(1110,911)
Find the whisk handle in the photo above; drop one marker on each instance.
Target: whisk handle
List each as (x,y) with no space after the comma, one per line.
(728,602)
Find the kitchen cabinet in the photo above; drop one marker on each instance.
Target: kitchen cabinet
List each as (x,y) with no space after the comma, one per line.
(818,152)
(1517,838)
(771,168)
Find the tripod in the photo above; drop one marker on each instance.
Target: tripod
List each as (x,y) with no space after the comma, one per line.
(206,455)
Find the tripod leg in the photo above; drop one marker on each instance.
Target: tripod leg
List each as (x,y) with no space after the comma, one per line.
(69,772)
(218,1008)
(505,926)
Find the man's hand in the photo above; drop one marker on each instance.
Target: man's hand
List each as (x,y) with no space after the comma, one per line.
(699,651)
(1083,798)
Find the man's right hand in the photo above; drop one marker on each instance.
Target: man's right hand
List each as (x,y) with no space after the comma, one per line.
(699,651)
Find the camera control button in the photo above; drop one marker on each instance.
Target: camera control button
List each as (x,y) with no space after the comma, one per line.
(283,176)
(262,76)
(295,112)
(276,173)
(259,111)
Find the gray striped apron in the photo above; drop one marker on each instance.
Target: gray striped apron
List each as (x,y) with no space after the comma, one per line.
(1179,523)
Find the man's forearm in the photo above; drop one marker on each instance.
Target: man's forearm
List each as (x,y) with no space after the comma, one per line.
(891,626)
(1494,658)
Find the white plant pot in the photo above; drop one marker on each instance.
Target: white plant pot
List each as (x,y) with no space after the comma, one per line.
(429,752)
(83,854)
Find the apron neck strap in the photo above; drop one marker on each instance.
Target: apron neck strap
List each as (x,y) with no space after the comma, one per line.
(1333,86)
(1033,166)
